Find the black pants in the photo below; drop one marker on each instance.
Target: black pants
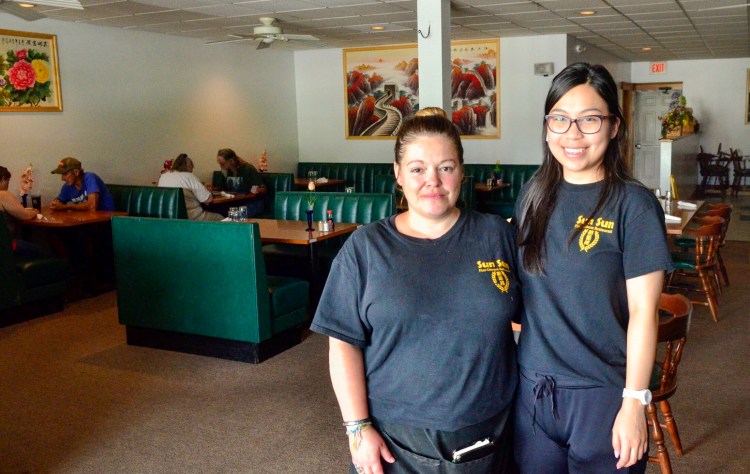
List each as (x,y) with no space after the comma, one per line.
(426,451)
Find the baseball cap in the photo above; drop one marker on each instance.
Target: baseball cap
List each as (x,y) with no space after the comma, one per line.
(67,164)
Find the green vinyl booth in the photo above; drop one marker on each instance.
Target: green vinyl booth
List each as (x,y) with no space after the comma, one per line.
(31,285)
(149,201)
(500,202)
(360,175)
(202,288)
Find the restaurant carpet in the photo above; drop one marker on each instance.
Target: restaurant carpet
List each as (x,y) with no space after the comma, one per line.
(74,398)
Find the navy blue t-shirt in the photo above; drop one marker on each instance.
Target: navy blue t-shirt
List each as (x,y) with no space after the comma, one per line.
(432,318)
(575,317)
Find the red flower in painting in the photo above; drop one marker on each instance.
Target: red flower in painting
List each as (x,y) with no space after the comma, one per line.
(22,54)
(22,75)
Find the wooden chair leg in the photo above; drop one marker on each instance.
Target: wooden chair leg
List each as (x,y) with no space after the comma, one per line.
(708,287)
(662,457)
(671,426)
(723,269)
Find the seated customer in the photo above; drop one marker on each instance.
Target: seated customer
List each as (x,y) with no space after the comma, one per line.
(82,191)
(14,211)
(239,172)
(241,177)
(181,175)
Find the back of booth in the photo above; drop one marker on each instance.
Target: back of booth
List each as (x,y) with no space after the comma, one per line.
(359,175)
(149,201)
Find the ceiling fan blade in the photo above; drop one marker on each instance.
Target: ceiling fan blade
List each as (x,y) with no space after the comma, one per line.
(25,13)
(743,5)
(264,44)
(74,4)
(235,38)
(301,37)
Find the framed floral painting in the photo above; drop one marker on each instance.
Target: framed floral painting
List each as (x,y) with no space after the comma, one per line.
(29,75)
(382,89)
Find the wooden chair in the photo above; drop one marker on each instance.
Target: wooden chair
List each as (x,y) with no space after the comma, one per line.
(714,170)
(741,172)
(724,211)
(687,242)
(673,329)
(700,263)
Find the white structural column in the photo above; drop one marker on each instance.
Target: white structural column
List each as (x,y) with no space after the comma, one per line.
(434,55)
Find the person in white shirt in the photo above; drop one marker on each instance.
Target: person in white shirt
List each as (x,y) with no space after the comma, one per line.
(181,176)
(14,212)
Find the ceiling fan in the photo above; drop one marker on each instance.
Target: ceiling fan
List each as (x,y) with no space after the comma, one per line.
(266,34)
(28,14)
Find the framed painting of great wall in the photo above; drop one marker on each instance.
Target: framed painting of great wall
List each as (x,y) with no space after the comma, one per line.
(29,74)
(382,89)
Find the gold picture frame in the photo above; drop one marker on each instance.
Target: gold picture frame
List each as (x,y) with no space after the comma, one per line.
(379,79)
(747,98)
(29,72)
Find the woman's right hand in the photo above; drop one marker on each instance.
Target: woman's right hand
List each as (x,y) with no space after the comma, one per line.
(368,451)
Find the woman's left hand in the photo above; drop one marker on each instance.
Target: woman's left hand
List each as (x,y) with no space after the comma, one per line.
(629,434)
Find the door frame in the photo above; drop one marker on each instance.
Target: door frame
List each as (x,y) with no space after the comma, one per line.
(628,110)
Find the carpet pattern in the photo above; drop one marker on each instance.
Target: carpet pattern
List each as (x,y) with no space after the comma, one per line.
(74,398)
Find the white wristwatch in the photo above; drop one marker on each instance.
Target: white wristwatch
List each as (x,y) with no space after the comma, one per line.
(643,396)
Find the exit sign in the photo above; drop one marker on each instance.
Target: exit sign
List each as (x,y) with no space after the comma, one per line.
(658,68)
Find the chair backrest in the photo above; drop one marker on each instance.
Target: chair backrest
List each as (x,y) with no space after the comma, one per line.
(672,333)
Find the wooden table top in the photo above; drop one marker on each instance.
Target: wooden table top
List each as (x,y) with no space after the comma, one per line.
(273,231)
(219,199)
(482,187)
(301,183)
(52,218)
(685,214)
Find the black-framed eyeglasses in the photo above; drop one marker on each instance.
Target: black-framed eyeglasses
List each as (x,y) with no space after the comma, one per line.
(587,124)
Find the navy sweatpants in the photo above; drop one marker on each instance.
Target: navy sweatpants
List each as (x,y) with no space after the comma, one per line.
(561,429)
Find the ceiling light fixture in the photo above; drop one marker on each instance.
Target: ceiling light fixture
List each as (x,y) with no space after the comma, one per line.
(587,12)
(26,5)
(378,28)
(646,49)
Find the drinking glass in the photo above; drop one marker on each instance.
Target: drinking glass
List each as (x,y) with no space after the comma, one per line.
(349,189)
(312,176)
(36,202)
(242,213)
(233,214)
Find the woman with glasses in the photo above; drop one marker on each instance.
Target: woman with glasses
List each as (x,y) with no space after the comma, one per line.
(592,253)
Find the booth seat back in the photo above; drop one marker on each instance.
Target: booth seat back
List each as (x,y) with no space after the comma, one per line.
(28,279)
(359,175)
(149,201)
(200,278)
(274,182)
(516,175)
(360,208)
(385,183)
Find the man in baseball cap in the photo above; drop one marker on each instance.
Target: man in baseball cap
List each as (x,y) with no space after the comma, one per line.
(81,191)
(67,164)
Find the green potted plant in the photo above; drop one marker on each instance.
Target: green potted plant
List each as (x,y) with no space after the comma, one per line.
(496,173)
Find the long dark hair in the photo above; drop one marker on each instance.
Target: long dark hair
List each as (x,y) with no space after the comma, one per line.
(4,173)
(541,198)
